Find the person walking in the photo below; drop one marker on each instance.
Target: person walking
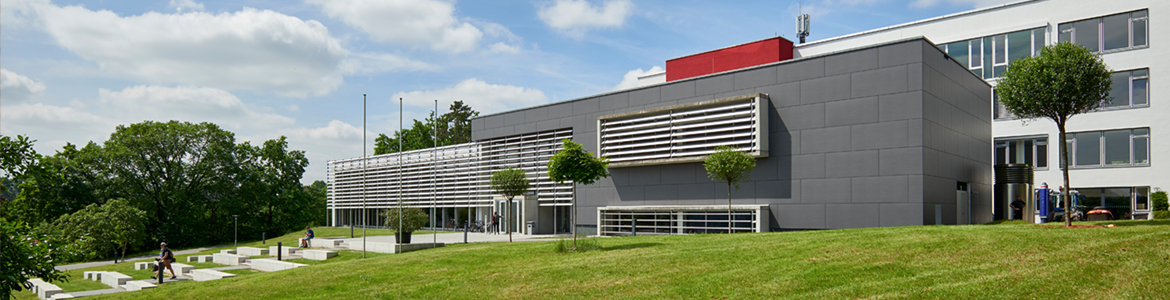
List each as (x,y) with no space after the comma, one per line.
(164,259)
(496,223)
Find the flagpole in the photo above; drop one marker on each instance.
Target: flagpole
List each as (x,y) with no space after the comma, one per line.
(434,168)
(400,136)
(365,167)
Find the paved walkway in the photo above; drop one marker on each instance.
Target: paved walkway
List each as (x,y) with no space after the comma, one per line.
(128,259)
(456,237)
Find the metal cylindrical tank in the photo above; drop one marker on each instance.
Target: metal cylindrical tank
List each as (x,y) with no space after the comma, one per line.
(1014,181)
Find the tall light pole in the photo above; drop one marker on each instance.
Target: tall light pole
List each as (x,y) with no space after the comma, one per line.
(365,161)
(401,135)
(236,230)
(434,169)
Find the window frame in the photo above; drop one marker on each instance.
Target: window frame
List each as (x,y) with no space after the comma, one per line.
(1072,143)
(1069,27)
(1037,141)
(1130,91)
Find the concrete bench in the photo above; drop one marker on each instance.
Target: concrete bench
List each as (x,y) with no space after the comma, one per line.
(183,269)
(47,290)
(251,251)
(145,265)
(286,249)
(319,254)
(199,258)
(328,243)
(115,279)
(228,259)
(91,275)
(138,285)
(272,265)
(35,282)
(228,251)
(62,296)
(209,274)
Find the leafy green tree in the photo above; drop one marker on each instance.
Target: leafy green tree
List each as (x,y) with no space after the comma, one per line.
(25,255)
(1160,202)
(318,195)
(107,227)
(575,164)
(732,166)
(510,182)
(412,218)
(418,136)
(451,128)
(63,183)
(454,127)
(1063,81)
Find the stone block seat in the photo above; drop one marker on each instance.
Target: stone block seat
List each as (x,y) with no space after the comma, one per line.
(182,269)
(115,279)
(228,259)
(272,265)
(62,296)
(228,251)
(44,290)
(138,285)
(143,265)
(199,258)
(209,274)
(319,254)
(92,275)
(251,251)
(284,248)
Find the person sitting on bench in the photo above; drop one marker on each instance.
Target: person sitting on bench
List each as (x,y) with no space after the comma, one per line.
(306,241)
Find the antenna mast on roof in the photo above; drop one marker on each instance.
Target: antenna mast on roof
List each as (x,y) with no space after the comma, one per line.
(802,22)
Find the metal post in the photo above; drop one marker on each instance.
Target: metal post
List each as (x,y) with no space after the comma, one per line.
(264,237)
(365,214)
(279,251)
(434,168)
(400,136)
(236,230)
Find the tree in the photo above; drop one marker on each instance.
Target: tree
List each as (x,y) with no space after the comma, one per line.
(455,125)
(575,164)
(318,193)
(115,224)
(510,182)
(418,136)
(25,255)
(412,218)
(729,165)
(1063,81)
(451,128)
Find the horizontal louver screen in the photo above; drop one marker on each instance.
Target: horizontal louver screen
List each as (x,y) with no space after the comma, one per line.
(684,133)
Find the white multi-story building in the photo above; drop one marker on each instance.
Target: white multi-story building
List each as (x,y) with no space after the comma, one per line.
(1118,153)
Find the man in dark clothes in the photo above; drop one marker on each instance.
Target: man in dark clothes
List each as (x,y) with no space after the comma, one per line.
(496,223)
(165,258)
(1018,208)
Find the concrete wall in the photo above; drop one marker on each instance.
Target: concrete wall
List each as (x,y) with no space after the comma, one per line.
(859,138)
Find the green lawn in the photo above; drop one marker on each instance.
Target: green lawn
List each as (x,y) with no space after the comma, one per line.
(1004,261)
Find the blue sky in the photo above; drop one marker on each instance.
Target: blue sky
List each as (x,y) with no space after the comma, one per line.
(73,70)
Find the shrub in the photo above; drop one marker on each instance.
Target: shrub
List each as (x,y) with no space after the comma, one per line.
(413,218)
(1159,199)
(1162,215)
(583,245)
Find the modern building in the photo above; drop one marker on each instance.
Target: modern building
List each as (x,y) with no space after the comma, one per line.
(889,127)
(842,139)
(1114,150)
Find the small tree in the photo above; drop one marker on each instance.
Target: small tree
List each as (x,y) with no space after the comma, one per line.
(1063,81)
(575,164)
(413,218)
(732,166)
(510,182)
(103,228)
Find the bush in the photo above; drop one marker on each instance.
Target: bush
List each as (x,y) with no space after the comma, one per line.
(413,218)
(1162,215)
(1159,199)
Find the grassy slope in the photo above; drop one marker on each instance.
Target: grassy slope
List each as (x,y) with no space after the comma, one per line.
(997,261)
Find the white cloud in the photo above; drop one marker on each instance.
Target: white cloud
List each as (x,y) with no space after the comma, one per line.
(180,5)
(574,17)
(335,131)
(293,107)
(259,50)
(504,48)
(371,63)
(970,3)
(52,126)
(184,103)
(630,80)
(428,23)
(16,88)
(481,96)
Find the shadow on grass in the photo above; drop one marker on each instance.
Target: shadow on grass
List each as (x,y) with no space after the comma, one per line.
(1127,223)
(631,246)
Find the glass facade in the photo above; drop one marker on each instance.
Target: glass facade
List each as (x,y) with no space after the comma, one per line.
(1121,202)
(989,56)
(1032,151)
(1125,147)
(1115,32)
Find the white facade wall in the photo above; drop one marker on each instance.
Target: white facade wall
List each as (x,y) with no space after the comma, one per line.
(1049,14)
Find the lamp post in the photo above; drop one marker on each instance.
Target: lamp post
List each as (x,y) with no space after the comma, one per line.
(365,214)
(236,229)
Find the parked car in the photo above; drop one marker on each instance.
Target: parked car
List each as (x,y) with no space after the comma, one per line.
(1100,214)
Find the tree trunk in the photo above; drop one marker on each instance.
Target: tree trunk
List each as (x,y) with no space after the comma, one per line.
(1068,209)
(508,219)
(729,207)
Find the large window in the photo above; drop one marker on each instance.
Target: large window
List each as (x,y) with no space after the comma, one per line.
(1130,89)
(1121,202)
(1032,151)
(989,56)
(1115,32)
(1126,147)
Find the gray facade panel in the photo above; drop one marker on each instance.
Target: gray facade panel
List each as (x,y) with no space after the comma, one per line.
(894,189)
(825,89)
(894,134)
(799,216)
(615,101)
(586,106)
(900,214)
(879,82)
(899,54)
(536,114)
(800,70)
(852,111)
(645,96)
(900,161)
(900,106)
(851,62)
(807,166)
(513,118)
(851,215)
(560,110)
(851,164)
(782,95)
(830,190)
(831,139)
(714,85)
(678,90)
(778,191)
(755,78)
(802,117)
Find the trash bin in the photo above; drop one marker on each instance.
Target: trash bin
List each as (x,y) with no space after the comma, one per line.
(529,226)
